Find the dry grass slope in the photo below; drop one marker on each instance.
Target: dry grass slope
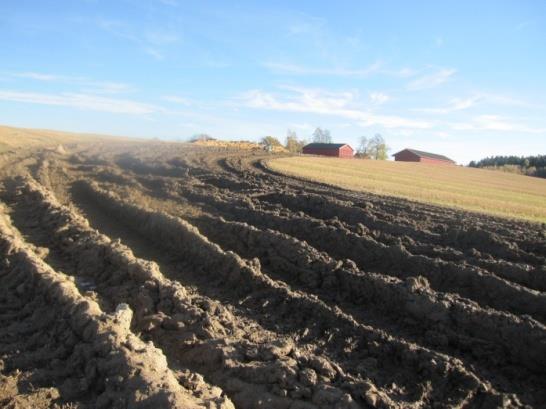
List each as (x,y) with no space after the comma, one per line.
(11,137)
(491,192)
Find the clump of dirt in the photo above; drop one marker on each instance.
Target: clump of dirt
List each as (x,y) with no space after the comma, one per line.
(60,150)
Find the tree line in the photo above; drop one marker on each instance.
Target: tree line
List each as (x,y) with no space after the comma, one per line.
(526,165)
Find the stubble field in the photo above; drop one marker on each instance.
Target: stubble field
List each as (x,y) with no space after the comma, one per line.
(487,191)
(168,275)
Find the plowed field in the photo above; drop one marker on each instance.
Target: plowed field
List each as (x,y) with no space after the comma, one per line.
(175,276)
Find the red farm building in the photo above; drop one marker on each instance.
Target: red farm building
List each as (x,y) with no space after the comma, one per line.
(339,150)
(413,155)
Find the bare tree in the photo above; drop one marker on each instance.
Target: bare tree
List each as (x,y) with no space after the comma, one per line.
(377,148)
(363,147)
(373,148)
(293,144)
(322,136)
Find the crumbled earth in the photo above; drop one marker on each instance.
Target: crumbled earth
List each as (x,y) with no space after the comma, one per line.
(156,275)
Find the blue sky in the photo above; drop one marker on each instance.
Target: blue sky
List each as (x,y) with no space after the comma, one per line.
(462,78)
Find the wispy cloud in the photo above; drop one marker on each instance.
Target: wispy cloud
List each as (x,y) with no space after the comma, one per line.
(506,100)
(495,123)
(377,67)
(455,104)
(405,72)
(105,87)
(378,98)
(334,71)
(302,127)
(150,41)
(442,135)
(81,101)
(37,76)
(158,37)
(316,101)
(177,100)
(305,24)
(431,80)
(479,98)
(523,25)
(85,84)
(172,3)
(154,52)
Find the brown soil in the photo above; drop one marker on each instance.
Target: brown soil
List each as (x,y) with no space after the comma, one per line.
(172,275)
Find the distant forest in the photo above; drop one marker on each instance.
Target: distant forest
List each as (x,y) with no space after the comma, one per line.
(530,165)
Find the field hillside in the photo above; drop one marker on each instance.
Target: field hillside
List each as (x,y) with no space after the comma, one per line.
(479,190)
(12,137)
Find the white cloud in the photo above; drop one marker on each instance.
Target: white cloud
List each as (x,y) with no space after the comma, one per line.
(509,101)
(459,104)
(431,80)
(404,72)
(177,99)
(302,127)
(100,87)
(306,25)
(379,98)
(158,55)
(87,85)
(151,42)
(335,71)
(37,76)
(172,3)
(157,37)
(455,104)
(80,101)
(317,101)
(495,123)
(403,132)
(442,135)
(523,25)
(302,28)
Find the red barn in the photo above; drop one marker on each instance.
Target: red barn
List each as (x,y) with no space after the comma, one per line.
(413,155)
(340,150)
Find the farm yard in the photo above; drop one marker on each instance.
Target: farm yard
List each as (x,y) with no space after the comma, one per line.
(141,274)
(487,191)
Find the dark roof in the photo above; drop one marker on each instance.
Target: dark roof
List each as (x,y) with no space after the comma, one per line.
(320,146)
(423,154)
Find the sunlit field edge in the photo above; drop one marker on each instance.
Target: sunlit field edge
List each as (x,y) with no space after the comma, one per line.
(486,191)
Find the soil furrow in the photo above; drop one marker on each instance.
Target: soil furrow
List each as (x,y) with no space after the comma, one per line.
(476,238)
(246,279)
(93,358)
(470,282)
(298,262)
(533,277)
(244,367)
(272,248)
